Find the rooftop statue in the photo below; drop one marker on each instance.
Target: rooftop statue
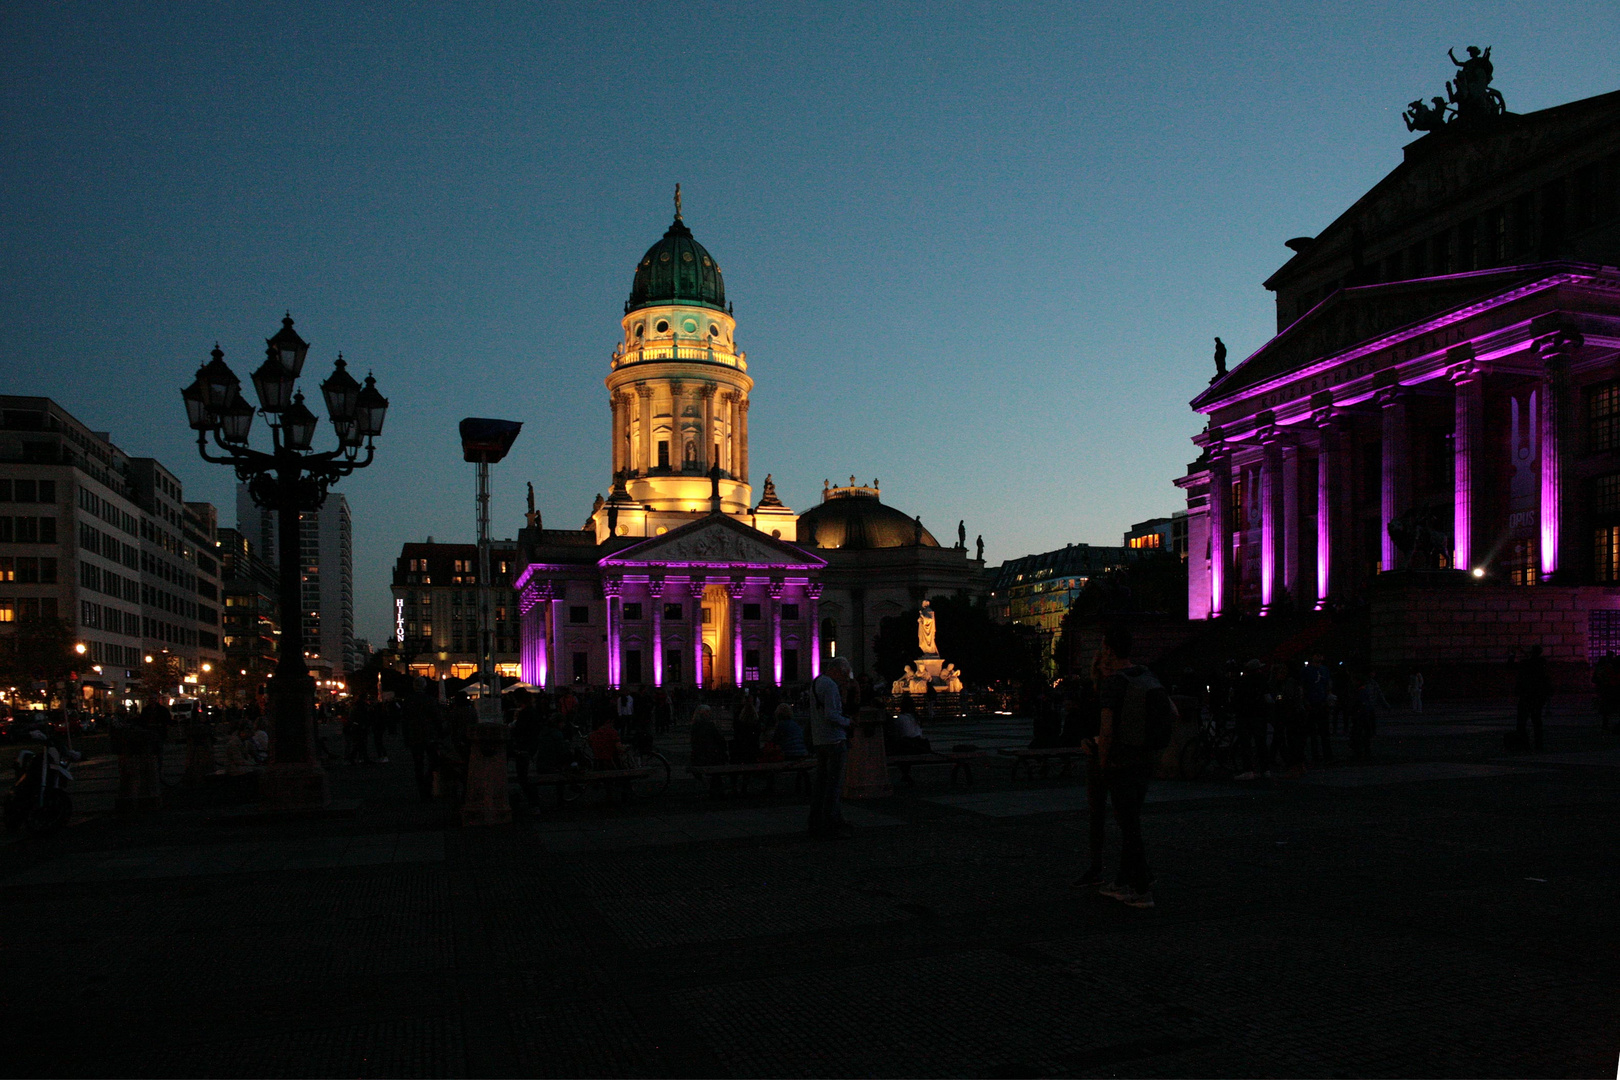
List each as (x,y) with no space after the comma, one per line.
(1220,360)
(1470,98)
(1421,117)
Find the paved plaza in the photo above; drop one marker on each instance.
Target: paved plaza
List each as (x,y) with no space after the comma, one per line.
(1446,910)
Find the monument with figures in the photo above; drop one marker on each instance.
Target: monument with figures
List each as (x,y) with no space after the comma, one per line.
(929,670)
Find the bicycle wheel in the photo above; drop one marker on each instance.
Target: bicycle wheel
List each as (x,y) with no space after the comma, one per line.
(1195,758)
(658,782)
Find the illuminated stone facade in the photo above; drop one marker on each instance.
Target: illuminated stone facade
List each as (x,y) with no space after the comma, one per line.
(1445,364)
(679,577)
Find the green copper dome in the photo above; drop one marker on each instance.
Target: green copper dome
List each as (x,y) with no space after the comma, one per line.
(677,270)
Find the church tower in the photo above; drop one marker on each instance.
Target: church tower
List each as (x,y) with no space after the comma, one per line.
(678,391)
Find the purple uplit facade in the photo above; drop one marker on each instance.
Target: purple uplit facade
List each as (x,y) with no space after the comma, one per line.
(702,605)
(1446,363)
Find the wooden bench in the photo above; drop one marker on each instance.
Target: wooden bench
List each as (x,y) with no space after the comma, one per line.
(581,777)
(1027,759)
(799,767)
(959,761)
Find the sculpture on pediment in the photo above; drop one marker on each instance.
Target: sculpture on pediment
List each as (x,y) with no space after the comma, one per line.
(961,535)
(1470,98)
(1220,360)
(1421,117)
(981,547)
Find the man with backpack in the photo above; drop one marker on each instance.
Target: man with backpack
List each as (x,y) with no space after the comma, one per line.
(830,726)
(1135,726)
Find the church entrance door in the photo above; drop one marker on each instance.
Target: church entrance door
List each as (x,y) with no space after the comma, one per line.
(717,663)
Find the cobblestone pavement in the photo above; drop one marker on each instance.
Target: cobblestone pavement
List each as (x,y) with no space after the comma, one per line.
(1447,910)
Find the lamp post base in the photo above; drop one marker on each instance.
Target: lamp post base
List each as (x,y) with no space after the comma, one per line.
(295,785)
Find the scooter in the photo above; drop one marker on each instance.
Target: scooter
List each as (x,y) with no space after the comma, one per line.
(38,800)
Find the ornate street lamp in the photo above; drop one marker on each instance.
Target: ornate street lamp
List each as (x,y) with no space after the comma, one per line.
(290,479)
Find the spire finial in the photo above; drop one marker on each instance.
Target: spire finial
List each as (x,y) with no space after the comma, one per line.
(677,202)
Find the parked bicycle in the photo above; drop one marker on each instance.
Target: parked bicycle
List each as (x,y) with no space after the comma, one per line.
(1213,749)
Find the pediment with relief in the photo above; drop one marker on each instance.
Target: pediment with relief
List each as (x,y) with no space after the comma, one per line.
(721,542)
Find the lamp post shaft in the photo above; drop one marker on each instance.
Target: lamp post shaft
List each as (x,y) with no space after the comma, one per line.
(293,690)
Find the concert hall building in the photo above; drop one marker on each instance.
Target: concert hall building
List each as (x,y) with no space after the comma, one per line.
(1444,363)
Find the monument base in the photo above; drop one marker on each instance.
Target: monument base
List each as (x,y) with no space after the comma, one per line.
(925,672)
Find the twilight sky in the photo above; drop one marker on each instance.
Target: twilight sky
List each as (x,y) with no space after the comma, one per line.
(976,250)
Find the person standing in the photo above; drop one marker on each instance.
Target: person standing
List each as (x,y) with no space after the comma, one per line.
(421,717)
(1135,708)
(1088,714)
(1534,687)
(1318,687)
(1414,690)
(524,741)
(830,728)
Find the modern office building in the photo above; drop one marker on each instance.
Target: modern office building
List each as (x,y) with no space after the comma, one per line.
(104,542)
(250,623)
(327,573)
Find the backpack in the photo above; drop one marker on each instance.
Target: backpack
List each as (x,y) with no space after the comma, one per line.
(1147,714)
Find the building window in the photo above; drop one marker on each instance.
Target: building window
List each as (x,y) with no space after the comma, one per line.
(672,665)
(8,610)
(1602,634)
(632,666)
(579,614)
(790,611)
(1522,563)
(790,665)
(706,614)
(1606,554)
(663,455)
(750,612)
(829,637)
(1603,417)
(632,613)
(672,611)
(751,665)
(582,667)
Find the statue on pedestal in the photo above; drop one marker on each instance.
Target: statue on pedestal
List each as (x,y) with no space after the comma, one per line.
(925,631)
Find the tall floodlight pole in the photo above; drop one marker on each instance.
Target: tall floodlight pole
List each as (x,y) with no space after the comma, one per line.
(485,442)
(290,480)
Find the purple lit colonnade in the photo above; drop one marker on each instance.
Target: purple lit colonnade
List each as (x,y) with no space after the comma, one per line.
(653,619)
(1443,390)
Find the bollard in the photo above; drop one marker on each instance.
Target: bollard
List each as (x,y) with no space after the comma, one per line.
(488,800)
(866,768)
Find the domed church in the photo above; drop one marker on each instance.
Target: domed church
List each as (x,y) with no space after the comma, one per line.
(679,577)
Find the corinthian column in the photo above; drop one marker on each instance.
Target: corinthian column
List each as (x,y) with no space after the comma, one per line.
(812,593)
(1468,439)
(1326,454)
(1271,520)
(1555,349)
(1220,530)
(615,403)
(742,438)
(1396,480)
(644,464)
(655,589)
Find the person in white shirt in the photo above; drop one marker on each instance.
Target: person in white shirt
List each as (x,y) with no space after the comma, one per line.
(830,728)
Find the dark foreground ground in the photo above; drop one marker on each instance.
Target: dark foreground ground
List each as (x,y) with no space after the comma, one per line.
(1445,911)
